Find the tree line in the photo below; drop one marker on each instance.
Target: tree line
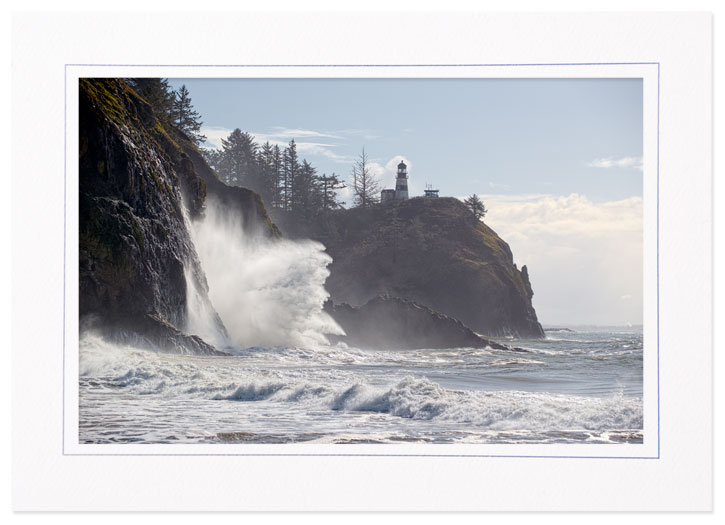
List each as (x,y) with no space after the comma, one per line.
(284,181)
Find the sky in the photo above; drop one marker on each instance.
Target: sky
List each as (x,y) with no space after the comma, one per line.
(557,161)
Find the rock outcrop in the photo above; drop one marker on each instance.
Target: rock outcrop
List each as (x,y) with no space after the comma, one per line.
(139,185)
(429,251)
(393,323)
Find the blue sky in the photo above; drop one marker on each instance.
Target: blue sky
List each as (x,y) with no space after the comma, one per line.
(507,136)
(558,162)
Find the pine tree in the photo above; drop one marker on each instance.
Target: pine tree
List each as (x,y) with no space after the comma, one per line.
(212,157)
(277,175)
(158,93)
(238,162)
(185,117)
(307,197)
(328,190)
(278,172)
(476,206)
(268,174)
(290,169)
(365,186)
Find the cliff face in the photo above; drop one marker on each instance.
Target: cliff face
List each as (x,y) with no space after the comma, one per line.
(389,322)
(139,184)
(429,251)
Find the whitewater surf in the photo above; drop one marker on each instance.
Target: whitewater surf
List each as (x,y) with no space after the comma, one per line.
(583,387)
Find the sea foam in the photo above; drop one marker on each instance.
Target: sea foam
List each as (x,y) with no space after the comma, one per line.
(232,380)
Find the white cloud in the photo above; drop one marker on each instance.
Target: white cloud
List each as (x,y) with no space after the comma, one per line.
(365,134)
(214,135)
(499,186)
(309,143)
(584,258)
(624,162)
(306,145)
(280,136)
(287,134)
(321,149)
(345,194)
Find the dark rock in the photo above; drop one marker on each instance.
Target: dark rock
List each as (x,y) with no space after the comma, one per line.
(139,183)
(392,323)
(429,251)
(246,203)
(155,333)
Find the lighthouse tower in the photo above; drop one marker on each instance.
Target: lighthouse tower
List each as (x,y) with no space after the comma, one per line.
(401,182)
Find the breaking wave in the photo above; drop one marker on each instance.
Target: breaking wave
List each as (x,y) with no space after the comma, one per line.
(228,380)
(267,292)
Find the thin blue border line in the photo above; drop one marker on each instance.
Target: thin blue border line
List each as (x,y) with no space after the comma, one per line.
(65,169)
(65,226)
(366,454)
(373,65)
(659,423)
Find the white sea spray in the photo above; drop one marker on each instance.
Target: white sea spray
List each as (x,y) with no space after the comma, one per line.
(268,292)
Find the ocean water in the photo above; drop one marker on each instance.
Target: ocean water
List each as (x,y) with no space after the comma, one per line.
(573,387)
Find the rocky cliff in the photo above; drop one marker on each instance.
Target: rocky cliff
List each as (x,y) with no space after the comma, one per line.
(140,182)
(429,251)
(392,323)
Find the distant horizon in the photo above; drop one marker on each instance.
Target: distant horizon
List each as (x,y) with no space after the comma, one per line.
(547,326)
(558,163)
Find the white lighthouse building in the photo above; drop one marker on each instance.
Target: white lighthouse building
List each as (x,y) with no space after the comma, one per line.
(400,192)
(401,182)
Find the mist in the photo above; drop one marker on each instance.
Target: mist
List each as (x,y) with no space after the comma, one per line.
(268,292)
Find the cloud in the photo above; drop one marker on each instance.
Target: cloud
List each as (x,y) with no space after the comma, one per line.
(584,257)
(320,149)
(305,140)
(499,186)
(366,134)
(282,133)
(214,135)
(308,143)
(624,162)
(345,195)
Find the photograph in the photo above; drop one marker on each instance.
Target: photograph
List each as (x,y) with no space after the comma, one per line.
(360,260)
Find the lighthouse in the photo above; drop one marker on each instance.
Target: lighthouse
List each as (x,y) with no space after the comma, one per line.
(401,182)
(400,193)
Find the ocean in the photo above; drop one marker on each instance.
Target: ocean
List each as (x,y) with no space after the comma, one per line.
(582,386)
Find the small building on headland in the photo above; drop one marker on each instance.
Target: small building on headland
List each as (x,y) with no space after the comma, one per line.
(400,193)
(430,192)
(387,196)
